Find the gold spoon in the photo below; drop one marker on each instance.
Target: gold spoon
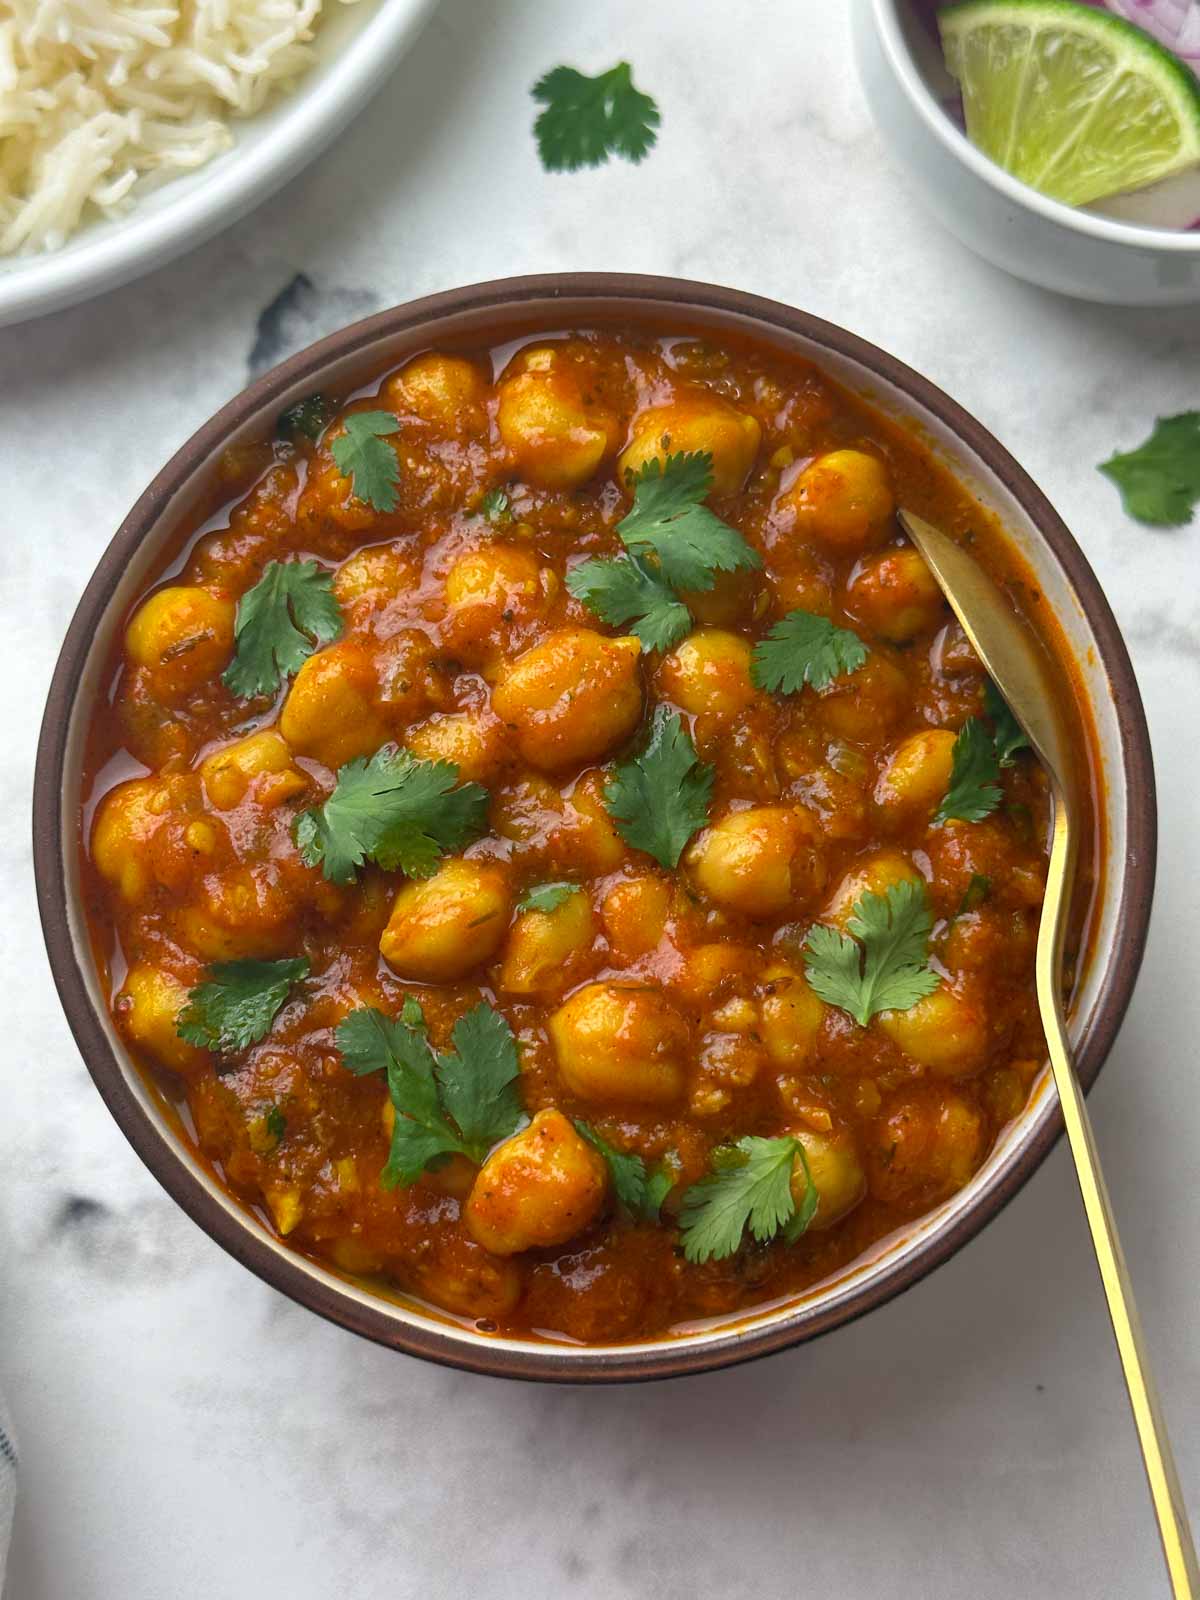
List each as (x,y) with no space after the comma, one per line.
(1017,665)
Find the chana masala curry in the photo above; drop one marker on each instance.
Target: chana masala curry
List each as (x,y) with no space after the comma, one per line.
(556,847)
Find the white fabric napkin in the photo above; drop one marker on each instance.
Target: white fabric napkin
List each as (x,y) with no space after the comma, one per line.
(8,1484)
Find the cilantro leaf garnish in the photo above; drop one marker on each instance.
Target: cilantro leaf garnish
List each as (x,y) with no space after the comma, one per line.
(660,798)
(588,119)
(978,890)
(627,589)
(669,518)
(884,967)
(395,810)
(308,417)
(1008,736)
(237,1004)
(1160,480)
(805,648)
(546,896)
(478,1082)
(750,1187)
(280,622)
(275,1123)
(372,1042)
(495,507)
(974,791)
(639,1190)
(458,1104)
(674,543)
(362,456)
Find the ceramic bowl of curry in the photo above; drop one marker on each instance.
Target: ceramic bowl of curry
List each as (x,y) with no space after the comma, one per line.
(527,855)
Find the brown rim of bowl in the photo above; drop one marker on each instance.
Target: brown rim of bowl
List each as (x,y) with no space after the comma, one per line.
(612,294)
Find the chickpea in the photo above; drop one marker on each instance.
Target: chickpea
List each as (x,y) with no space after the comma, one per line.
(864,704)
(895,594)
(790,1017)
(148,1008)
(571,698)
(842,499)
(380,573)
(800,584)
(556,437)
(262,760)
(587,840)
(472,740)
(183,636)
(732,596)
(619,1043)
(917,776)
(496,576)
(945,1032)
(759,862)
(837,1175)
(543,946)
(540,1188)
(443,926)
(876,875)
(708,968)
(242,914)
(444,390)
(926,1146)
(125,823)
(456,1273)
(330,712)
(696,421)
(634,913)
(709,672)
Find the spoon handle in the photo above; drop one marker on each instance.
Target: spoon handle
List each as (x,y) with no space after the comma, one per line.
(1151,1426)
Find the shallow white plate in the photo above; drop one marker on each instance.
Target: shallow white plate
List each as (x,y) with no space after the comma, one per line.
(357,48)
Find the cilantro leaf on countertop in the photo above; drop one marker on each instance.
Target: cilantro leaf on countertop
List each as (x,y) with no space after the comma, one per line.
(660,798)
(478,1083)
(974,791)
(805,648)
(640,1190)
(587,119)
(1160,480)
(884,967)
(361,455)
(546,896)
(455,1104)
(749,1188)
(669,518)
(236,1005)
(1008,736)
(395,810)
(627,589)
(280,622)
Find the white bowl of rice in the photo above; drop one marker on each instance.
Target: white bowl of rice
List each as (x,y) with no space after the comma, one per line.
(132,130)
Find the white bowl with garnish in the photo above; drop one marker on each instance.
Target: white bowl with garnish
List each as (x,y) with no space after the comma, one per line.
(1077,251)
(356,47)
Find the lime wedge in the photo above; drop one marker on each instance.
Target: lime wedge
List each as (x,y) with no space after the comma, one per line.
(1077,102)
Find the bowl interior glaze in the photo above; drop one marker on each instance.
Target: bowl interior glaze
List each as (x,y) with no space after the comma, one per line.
(485,314)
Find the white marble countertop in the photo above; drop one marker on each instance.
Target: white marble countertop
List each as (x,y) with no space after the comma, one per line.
(188,1433)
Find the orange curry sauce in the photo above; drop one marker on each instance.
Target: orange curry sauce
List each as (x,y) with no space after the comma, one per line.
(668,1009)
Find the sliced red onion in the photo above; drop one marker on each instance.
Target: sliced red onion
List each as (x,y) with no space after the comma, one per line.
(1175,23)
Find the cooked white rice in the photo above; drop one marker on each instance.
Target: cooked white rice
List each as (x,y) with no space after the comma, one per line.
(101,100)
